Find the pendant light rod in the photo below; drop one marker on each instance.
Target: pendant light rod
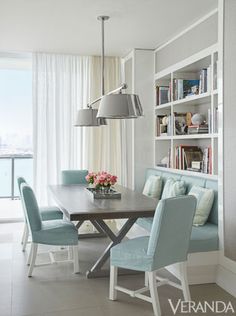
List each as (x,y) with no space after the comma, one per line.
(103,18)
(122,87)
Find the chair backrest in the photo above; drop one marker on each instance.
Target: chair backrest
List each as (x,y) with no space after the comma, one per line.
(20,180)
(171,230)
(31,208)
(73,177)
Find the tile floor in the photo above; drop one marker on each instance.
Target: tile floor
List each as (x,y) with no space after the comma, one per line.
(55,291)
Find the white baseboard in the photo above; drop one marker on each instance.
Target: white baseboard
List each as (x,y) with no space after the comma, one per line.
(226,279)
(201,274)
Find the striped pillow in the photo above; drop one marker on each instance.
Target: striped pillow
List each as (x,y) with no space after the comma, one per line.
(205,199)
(153,187)
(173,188)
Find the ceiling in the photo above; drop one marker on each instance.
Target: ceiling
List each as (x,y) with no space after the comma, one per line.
(70,26)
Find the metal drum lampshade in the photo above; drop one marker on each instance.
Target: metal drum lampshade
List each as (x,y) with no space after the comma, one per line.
(88,117)
(120,106)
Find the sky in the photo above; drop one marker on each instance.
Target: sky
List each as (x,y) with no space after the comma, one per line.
(15,102)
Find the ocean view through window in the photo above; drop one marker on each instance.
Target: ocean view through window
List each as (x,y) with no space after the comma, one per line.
(16,150)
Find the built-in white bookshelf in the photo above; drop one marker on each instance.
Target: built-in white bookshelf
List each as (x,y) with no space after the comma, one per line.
(169,142)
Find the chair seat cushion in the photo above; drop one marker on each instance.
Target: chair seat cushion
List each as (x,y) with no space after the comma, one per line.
(203,238)
(56,232)
(132,254)
(50,212)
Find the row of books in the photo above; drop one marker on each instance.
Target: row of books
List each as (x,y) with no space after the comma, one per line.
(193,158)
(183,88)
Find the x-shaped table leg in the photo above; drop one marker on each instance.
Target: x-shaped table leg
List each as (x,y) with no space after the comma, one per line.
(96,270)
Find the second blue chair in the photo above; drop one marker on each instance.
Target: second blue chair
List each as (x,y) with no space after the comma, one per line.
(47,213)
(54,232)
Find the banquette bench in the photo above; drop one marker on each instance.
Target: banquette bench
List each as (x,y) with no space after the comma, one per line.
(204,238)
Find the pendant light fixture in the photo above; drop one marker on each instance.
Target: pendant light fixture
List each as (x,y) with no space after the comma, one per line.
(114,104)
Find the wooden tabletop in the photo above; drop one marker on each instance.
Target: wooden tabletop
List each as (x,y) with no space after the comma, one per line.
(77,204)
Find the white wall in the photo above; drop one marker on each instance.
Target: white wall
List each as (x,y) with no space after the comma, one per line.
(139,76)
(227,98)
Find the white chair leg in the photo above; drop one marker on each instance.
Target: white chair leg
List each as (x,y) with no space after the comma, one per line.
(23,235)
(153,293)
(184,281)
(70,252)
(146,279)
(76,258)
(26,237)
(113,283)
(29,256)
(33,258)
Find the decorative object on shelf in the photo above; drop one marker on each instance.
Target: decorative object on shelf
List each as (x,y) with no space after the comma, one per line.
(163,125)
(112,105)
(198,119)
(180,123)
(100,183)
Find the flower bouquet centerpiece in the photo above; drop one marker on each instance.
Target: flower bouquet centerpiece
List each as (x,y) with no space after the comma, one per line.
(100,184)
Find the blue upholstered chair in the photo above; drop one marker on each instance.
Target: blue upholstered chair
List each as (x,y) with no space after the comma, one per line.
(168,244)
(47,213)
(69,177)
(57,232)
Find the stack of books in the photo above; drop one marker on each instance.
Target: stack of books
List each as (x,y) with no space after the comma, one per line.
(198,129)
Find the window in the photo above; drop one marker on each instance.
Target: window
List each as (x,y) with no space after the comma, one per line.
(16,150)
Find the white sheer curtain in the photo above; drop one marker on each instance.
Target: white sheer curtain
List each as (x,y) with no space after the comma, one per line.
(103,150)
(61,85)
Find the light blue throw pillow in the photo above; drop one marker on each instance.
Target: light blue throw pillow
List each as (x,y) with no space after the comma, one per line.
(205,199)
(153,187)
(173,188)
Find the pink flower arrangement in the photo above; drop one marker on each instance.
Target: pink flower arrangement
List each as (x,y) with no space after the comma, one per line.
(91,177)
(101,179)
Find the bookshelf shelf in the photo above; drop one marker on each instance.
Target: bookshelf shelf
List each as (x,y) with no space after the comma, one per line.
(194,136)
(188,173)
(163,106)
(163,137)
(200,65)
(195,99)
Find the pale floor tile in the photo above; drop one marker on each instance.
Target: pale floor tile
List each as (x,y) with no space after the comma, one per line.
(10,209)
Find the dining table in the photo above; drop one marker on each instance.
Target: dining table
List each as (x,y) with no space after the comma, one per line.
(78,204)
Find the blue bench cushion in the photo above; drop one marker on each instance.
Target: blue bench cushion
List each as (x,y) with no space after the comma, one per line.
(203,238)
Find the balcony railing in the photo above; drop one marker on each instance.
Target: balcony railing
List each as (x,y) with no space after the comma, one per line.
(11,167)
